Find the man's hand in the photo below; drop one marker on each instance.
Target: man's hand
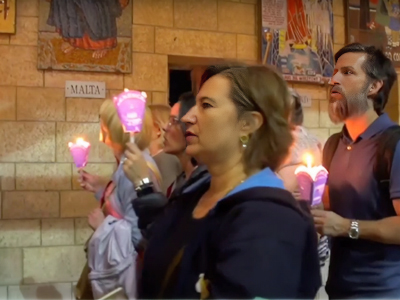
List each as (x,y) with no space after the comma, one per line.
(329,223)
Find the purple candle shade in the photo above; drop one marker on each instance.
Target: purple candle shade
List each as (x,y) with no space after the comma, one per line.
(312,181)
(79,152)
(131,106)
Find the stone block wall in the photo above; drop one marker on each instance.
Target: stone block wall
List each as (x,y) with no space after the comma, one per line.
(42,209)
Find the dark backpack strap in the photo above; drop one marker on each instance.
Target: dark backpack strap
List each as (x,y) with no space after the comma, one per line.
(330,149)
(385,149)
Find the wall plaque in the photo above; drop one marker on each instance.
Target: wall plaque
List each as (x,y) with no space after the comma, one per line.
(85,89)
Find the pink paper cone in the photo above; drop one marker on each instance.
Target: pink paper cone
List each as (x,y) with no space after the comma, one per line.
(131,106)
(80,152)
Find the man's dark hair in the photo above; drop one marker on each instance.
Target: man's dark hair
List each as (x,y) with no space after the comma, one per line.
(187,101)
(377,66)
(296,115)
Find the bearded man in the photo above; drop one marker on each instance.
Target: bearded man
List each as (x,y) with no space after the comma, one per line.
(362,211)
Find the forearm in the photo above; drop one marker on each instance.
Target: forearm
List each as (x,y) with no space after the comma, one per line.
(386,231)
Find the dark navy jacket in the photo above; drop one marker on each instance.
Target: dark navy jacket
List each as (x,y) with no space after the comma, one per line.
(256,242)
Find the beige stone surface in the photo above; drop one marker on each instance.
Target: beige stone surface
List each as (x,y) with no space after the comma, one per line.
(40,104)
(8,98)
(27,8)
(26,32)
(82,231)
(56,264)
(338,8)
(153,12)
(19,69)
(159,98)
(196,14)
(77,204)
(83,110)
(4,39)
(100,169)
(57,232)
(29,205)
(58,78)
(237,17)
(3,293)
(195,43)
(27,142)
(324,120)
(316,91)
(150,72)
(11,266)
(7,176)
(247,47)
(337,47)
(334,130)
(321,133)
(143,38)
(19,233)
(339,32)
(311,115)
(69,132)
(59,291)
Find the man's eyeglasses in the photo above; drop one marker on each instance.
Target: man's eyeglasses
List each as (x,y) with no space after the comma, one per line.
(173,121)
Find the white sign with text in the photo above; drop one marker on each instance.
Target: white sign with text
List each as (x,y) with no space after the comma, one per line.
(85,89)
(305,100)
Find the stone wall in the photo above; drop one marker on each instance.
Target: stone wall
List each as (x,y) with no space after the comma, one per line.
(43,212)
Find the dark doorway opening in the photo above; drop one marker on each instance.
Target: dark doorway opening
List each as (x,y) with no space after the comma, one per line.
(179,83)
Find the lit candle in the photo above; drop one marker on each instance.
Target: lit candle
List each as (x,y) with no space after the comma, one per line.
(80,152)
(311,180)
(131,106)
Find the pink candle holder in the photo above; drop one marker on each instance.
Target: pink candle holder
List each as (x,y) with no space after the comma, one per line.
(131,106)
(312,181)
(79,152)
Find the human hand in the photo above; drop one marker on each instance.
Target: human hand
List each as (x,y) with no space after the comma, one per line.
(95,218)
(329,223)
(91,183)
(134,164)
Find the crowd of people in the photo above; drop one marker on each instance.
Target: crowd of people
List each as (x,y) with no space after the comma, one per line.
(206,204)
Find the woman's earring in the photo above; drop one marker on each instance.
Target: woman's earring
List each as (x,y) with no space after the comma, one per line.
(244,140)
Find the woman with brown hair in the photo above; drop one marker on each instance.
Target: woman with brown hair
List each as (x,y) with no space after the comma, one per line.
(242,235)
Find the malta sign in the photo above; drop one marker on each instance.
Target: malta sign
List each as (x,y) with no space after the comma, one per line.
(85,89)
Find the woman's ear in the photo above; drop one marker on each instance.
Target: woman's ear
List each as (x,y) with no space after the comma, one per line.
(252,121)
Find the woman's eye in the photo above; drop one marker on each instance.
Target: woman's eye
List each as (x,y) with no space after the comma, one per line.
(206,105)
(348,72)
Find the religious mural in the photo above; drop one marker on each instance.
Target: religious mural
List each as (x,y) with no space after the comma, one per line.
(375,22)
(7,16)
(85,35)
(297,38)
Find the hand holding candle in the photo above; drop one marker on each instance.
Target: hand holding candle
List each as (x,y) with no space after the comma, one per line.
(131,106)
(79,152)
(312,181)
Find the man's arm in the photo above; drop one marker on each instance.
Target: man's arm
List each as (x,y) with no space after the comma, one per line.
(386,231)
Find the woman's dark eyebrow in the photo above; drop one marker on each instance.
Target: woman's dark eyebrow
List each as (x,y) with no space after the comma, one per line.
(207,98)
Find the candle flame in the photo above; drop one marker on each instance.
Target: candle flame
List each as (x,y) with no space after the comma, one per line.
(309,160)
(126,90)
(79,142)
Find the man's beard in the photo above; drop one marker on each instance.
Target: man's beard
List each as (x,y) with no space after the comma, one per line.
(351,105)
